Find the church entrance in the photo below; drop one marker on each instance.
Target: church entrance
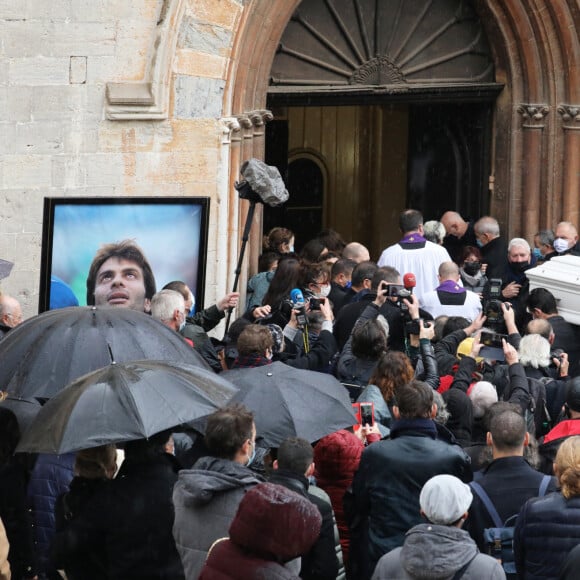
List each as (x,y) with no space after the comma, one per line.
(379,106)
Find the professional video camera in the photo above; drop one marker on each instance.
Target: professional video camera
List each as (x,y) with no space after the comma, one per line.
(492,308)
(398,292)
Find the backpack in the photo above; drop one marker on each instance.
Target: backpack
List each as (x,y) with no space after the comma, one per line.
(500,539)
(538,420)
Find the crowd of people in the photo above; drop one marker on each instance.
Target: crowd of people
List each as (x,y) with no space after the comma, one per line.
(469,466)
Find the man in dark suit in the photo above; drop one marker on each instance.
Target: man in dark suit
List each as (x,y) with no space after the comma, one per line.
(493,247)
(508,480)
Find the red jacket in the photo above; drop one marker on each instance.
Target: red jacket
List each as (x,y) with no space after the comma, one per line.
(336,457)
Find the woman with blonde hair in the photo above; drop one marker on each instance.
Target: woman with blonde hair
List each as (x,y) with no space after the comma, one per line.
(549,527)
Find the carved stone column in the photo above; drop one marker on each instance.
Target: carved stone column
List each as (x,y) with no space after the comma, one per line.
(570,115)
(533,116)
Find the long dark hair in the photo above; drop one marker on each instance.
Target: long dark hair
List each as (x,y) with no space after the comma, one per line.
(285,278)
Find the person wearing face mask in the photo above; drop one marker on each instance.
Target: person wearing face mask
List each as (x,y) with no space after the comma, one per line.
(168,306)
(566,239)
(492,245)
(207,496)
(516,286)
(340,281)
(472,270)
(544,246)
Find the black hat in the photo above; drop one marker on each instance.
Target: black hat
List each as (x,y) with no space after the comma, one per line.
(573,394)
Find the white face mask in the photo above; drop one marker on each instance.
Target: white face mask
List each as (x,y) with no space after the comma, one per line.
(324,291)
(560,245)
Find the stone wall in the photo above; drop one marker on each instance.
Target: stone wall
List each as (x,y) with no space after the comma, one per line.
(112,98)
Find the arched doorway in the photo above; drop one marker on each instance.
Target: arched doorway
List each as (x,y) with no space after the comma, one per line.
(396,99)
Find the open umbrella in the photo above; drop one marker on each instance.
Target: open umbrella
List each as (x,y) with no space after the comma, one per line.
(45,353)
(25,409)
(124,402)
(289,402)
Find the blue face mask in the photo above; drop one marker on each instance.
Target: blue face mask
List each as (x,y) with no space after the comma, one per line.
(348,284)
(537,254)
(479,243)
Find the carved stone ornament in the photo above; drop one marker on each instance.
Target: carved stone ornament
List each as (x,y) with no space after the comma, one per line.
(533,115)
(149,99)
(570,115)
(380,70)
(230,129)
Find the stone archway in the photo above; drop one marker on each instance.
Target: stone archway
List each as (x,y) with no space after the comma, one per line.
(536,147)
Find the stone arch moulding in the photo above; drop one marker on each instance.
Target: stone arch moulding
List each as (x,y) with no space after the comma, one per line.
(149,99)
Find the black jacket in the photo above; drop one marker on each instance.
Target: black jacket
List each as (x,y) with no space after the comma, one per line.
(66,549)
(387,485)
(396,318)
(321,562)
(494,254)
(131,520)
(547,529)
(509,482)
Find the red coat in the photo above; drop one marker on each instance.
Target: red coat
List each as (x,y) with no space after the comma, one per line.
(336,457)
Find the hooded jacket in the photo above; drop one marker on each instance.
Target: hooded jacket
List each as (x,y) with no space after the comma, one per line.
(206,498)
(436,553)
(273,525)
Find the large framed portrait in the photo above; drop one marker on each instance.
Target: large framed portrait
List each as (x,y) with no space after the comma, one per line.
(171,232)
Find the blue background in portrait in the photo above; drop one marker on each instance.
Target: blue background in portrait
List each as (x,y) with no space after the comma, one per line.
(168,234)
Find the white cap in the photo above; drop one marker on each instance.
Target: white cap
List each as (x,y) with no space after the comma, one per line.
(444,499)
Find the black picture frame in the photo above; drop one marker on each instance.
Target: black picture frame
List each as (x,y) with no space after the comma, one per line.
(172,232)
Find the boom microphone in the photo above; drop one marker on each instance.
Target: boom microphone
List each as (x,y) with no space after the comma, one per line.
(262,183)
(409,281)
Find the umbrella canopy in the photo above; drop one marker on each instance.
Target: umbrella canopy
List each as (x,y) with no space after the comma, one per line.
(45,353)
(124,402)
(289,402)
(25,409)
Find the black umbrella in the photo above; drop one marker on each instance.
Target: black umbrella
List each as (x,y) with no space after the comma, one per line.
(124,402)
(25,409)
(289,402)
(45,353)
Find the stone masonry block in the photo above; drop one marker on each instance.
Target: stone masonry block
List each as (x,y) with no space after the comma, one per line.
(198,64)
(15,104)
(202,37)
(26,171)
(198,97)
(37,138)
(69,171)
(83,39)
(98,10)
(192,134)
(38,71)
(27,38)
(104,169)
(224,13)
(3,72)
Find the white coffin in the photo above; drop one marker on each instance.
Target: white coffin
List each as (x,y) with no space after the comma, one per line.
(561,276)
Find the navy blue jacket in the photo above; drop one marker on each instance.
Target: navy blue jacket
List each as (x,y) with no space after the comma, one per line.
(509,482)
(547,529)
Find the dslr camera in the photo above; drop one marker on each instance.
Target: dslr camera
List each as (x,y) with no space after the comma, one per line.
(492,307)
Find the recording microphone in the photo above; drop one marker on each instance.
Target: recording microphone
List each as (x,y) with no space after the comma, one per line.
(299,304)
(262,183)
(409,282)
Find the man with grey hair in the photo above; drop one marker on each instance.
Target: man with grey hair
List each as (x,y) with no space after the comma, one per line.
(10,314)
(544,245)
(434,231)
(493,247)
(516,286)
(450,297)
(168,306)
